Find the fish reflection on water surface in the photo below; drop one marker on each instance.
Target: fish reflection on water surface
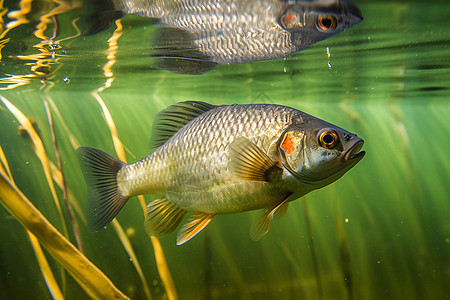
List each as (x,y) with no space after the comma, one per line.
(224,159)
(196,35)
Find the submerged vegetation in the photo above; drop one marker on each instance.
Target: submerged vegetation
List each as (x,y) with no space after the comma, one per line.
(382,231)
(93,281)
(96,284)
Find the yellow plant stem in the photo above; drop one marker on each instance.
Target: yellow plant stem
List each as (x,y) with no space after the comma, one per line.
(163,269)
(45,268)
(127,245)
(52,285)
(96,284)
(161,263)
(39,149)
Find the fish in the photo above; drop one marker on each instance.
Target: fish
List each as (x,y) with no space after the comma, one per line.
(194,36)
(212,160)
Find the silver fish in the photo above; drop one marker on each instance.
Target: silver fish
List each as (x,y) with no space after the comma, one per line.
(196,35)
(224,159)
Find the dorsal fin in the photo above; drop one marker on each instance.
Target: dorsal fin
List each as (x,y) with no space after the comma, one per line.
(170,120)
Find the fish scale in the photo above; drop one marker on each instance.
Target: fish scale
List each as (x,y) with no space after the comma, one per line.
(219,160)
(189,154)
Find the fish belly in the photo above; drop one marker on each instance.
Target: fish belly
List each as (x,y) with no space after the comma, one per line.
(225,196)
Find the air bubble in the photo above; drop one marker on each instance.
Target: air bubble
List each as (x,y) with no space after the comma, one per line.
(54,46)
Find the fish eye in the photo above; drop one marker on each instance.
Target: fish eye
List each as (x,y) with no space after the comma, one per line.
(328,139)
(326,22)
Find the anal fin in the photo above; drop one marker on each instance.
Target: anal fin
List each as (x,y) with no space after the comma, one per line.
(163,217)
(196,223)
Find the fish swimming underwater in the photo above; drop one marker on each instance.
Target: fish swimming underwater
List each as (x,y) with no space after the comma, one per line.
(224,159)
(196,35)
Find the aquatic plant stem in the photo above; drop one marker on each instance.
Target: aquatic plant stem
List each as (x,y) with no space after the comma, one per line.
(39,149)
(49,278)
(161,262)
(208,265)
(344,253)
(127,245)
(118,146)
(73,220)
(163,269)
(312,248)
(90,278)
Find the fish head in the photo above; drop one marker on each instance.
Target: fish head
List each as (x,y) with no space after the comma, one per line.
(318,153)
(311,22)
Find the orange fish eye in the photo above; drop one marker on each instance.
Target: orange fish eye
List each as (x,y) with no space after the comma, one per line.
(326,22)
(328,139)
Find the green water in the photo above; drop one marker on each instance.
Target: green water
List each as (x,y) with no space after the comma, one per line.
(389,83)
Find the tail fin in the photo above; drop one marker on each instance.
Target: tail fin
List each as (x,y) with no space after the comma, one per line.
(104,198)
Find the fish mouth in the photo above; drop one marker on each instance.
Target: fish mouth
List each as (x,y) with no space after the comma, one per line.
(354,13)
(354,153)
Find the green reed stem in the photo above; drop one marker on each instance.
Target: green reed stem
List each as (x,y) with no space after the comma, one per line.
(312,248)
(73,220)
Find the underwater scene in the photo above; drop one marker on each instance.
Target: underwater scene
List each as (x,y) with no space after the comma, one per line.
(108,75)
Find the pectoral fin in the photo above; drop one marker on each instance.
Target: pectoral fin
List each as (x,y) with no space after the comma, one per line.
(174,50)
(163,217)
(261,227)
(104,14)
(282,210)
(249,162)
(196,223)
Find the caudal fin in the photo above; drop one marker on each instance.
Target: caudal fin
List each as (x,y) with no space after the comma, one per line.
(104,198)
